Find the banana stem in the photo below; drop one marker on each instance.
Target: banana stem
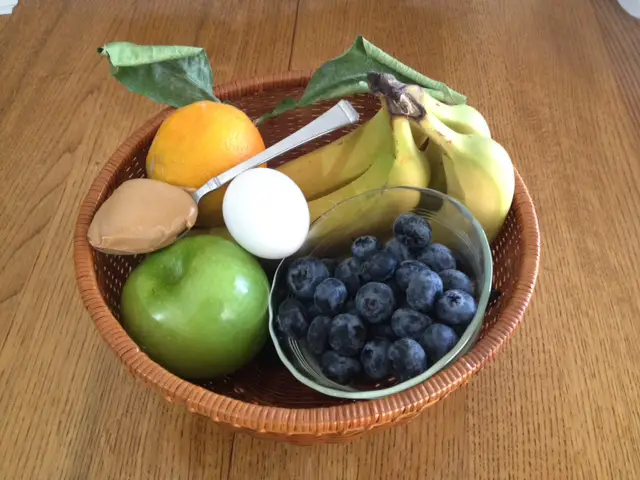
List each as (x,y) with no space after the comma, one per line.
(403,101)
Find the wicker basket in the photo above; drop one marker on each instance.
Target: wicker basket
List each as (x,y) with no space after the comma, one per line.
(263,399)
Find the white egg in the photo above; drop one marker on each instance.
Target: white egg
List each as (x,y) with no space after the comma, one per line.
(266,213)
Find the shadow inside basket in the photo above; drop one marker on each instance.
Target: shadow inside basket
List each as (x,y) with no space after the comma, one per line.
(265,380)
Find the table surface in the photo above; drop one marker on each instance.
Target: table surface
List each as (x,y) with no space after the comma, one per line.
(559,83)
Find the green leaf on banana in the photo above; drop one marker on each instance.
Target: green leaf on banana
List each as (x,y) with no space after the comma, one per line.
(180,75)
(346,75)
(171,75)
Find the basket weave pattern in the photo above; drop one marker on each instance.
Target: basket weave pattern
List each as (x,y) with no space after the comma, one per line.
(263,398)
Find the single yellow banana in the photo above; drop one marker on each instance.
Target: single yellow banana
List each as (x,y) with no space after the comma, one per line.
(460,118)
(337,164)
(478,170)
(410,168)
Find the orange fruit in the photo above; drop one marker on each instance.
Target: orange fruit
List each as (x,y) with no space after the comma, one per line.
(198,142)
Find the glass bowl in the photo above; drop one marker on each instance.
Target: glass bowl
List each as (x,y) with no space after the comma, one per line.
(373,213)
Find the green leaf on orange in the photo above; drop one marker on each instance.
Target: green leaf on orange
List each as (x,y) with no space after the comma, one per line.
(171,75)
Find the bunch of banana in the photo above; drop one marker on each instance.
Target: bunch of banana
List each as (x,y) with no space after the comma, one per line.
(380,153)
(466,162)
(397,162)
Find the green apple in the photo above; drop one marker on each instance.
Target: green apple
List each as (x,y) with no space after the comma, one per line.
(198,307)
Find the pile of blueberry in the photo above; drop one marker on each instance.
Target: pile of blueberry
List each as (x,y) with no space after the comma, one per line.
(388,311)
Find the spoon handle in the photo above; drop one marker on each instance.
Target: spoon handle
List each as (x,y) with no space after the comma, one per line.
(338,116)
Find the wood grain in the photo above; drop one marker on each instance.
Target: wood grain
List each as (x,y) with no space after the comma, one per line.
(558,83)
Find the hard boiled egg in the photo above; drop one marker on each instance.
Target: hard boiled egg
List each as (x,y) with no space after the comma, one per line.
(266,213)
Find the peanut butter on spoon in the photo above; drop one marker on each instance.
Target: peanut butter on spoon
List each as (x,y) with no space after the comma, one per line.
(141,216)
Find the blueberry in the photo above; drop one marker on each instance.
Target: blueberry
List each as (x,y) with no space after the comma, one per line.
(318,334)
(339,368)
(438,340)
(375,358)
(412,230)
(347,272)
(437,257)
(375,302)
(424,289)
(304,275)
(330,263)
(407,358)
(397,250)
(455,279)
(291,319)
(380,267)
(363,248)
(383,330)
(330,295)
(347,334)
(406,270)
(406,322)
(455,307)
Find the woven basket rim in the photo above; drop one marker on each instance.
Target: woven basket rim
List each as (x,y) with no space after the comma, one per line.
(339,419)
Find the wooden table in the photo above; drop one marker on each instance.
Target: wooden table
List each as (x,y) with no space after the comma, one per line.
(559,83)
